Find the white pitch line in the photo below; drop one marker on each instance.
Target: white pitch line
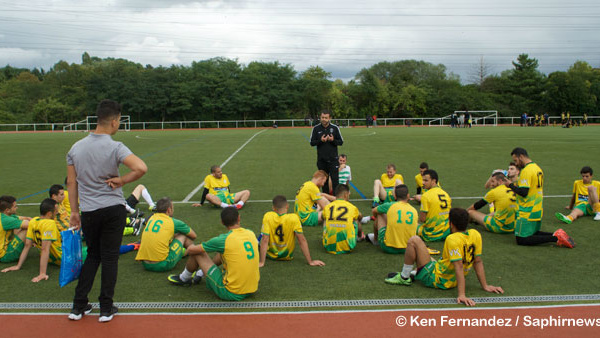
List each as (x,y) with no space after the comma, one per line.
(190,195)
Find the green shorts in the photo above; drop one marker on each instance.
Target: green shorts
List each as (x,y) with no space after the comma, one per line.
(226,197)
(214,282)
(13,251)
(389,195)
(312,220)
(586,208)
(427,275)
(385,248)
(492,225)
(176,252)
(526,228)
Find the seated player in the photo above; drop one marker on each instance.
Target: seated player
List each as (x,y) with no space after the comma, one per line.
(396,224)
(419,181)
(344,173)
(308,196)
(512,174)
(237,253)
(383,189)
(502,220)
(164,239)
(63,215)
(462,251)
(13,229)
(43,233)
(435,205)
(279,233)
(341,227)
(216,191)
(585,198)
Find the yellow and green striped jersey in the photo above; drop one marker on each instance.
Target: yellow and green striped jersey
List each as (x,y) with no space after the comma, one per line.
(306,197)
(41,229)
(389,183)
(437,204)
(62,217)
(339,229)
(157,237)
(531,206)
(505,206)
(281,230)
(402,221)
(7,225)
(214,184)
(239,254)
(463,246)
(580,190)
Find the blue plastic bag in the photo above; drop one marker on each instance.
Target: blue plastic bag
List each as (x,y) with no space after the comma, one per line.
(70,266)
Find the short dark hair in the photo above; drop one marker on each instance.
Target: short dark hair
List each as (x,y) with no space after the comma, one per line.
(499,175)
(341,189)
(432,173)
(55,189)
(107,110)
(391,165)
(587,170)
(6,202)
(213,168)
(163,204)
(401,192)
(326,111)
(47,205)
(229,216)
(424,165)
(460,218)
(518,151)
(343,155)
(513,164)
(279,202)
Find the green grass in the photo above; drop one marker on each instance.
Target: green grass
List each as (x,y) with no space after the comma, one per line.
(278,161)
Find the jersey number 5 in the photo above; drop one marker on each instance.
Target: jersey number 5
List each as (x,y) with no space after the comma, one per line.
(443,200)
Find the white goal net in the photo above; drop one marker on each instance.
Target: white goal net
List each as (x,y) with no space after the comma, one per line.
(478,118)
(90,123)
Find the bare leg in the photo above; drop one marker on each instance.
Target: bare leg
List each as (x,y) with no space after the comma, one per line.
(416,252)
(378,190)
(477,216)
(213,199)
(137,192)
(243,196)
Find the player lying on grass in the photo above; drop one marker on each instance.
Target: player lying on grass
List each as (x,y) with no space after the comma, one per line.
(236,251)
(279,233)
(164,239)
(584,201)
(383,188)
(13,229)
(396,223)
(341,227)
(310,201)
(216,191)
(462,251)
(435,205)
(501,221)
(43,234)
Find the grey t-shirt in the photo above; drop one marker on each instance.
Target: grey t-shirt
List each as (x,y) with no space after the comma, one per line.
(96,158)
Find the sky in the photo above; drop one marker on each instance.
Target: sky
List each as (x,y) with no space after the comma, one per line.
(342,37)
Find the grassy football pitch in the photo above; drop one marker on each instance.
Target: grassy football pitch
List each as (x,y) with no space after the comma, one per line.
(278,161)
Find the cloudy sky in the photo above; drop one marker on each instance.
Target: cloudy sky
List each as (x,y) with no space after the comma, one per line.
(340,36)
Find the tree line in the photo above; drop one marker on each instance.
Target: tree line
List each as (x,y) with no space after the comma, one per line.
(224,89)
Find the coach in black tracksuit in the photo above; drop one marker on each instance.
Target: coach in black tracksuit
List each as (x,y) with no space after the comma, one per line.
(327,138)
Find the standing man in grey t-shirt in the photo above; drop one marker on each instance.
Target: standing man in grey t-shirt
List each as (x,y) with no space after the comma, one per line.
(94,188)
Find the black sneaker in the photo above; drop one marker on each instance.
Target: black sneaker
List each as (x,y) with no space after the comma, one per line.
(108,316)
(175,279)
(138,226)
(77,314)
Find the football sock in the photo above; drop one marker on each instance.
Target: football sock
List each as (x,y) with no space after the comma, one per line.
(199,273)
(596,207)
(185,275)
(406,269)
(240,203)
(365,219)
(570,217)
(147,197)
(129,209)
(224,205)
(376,199)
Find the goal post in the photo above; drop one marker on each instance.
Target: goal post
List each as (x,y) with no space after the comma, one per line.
(479,117)
(90,123)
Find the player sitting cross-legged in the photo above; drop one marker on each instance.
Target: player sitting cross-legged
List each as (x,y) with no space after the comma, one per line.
(216,191)
(383,188)
(279,233)
(462,251)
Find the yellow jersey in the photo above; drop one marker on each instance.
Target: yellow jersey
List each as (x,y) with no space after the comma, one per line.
(580,190)
(339,227)
(531,206)
(505,205)
(215,185)
(240,257)
(402,221)
(389,183)
(157,237)
(281,230)
(419,182)
(63,216)
(65,203)
(436,203)
(306,197)
(459,246)
(41,229)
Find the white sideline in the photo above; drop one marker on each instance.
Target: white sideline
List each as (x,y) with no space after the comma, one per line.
(191,194)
